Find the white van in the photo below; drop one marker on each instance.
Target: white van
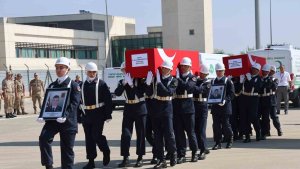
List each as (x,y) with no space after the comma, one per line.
(289,57)
(112,76)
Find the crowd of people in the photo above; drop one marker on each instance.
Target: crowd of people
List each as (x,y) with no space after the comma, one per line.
(164,109)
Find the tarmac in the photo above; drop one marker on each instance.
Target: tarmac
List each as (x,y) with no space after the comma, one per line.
(19,146)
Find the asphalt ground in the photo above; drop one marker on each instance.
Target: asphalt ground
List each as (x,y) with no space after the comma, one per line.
(19,146)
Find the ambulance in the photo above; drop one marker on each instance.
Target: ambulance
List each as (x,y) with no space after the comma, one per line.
(288,56)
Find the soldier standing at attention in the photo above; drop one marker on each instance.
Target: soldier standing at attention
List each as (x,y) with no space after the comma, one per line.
(66,126)
(35,91)
(8,88)
(20,93)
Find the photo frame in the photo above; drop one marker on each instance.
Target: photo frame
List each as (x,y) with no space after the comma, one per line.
(216,94)
(55,103)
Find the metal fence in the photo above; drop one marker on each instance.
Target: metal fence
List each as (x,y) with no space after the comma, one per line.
(28,75)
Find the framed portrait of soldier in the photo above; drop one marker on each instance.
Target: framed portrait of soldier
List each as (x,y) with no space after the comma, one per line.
(54,104)
(216,94)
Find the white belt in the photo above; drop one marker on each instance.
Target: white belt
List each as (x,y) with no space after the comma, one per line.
(166,98)
(250,94)
(135,101)
(91,107)
(184,96)
(267,94)
(200,99)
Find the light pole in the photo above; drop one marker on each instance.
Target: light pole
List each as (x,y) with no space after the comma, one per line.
(107,27)
(257,27)
(271,38)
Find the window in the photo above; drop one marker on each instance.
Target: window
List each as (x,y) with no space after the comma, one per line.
(192,32)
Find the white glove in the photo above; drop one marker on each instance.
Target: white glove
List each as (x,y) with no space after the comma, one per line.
(158,80)
(40,120)
(191,71)
(177,73)
(242,78)
(128,79)
(61,119)
(222,104)
(149,78)
(248,75)
(124,82)
(108,120)
(229,77)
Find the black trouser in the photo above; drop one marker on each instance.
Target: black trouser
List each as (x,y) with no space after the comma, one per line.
(264,113)
(93,136)
(221,125)
(67,139)
(127,128)
(150,135)
(185,123)
(249,114)
(235,117)
(163,131)
(275,118)
(200,128)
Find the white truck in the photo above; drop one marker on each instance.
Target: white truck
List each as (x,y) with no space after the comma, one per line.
(289,57)
(112,76)
(210,60)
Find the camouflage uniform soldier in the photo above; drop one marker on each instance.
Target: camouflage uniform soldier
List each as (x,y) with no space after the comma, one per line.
(35,91)
(20,93)
(8,88)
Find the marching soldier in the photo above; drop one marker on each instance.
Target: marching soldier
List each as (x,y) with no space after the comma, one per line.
(8,88)
(66,126)
(20,93)
(135,112)
(184,111)
(36,88)
(249,103)
(96,109)
(201,110)
(273,113)
(162,118)
(221,112)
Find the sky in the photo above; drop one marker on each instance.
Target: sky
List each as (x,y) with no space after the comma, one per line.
(233,20)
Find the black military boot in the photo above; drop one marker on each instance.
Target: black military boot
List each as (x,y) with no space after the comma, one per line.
(106,158)
(168,156)
(90,164)
(161,164)
(11,115)
(217,146)
(124,163)
(154,160)
(7,115)
(173,159)
(139,162)
(247,139)
(194,157)
(206,151)
(49,167)
(181,160)
(201,156)
(229,143)
(279,132)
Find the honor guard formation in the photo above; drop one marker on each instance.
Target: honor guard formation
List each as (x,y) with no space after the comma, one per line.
(167,110)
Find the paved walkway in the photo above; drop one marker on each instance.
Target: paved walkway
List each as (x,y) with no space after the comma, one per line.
(19,147)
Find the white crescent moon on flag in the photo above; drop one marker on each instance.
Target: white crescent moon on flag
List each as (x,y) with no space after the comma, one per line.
(250,59)
(164,56)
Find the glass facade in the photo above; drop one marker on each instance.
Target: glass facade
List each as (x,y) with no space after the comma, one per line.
(34,50)
(121,43)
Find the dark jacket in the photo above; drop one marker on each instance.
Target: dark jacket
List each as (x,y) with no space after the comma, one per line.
(132,93)
(201,91)
(72,106)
